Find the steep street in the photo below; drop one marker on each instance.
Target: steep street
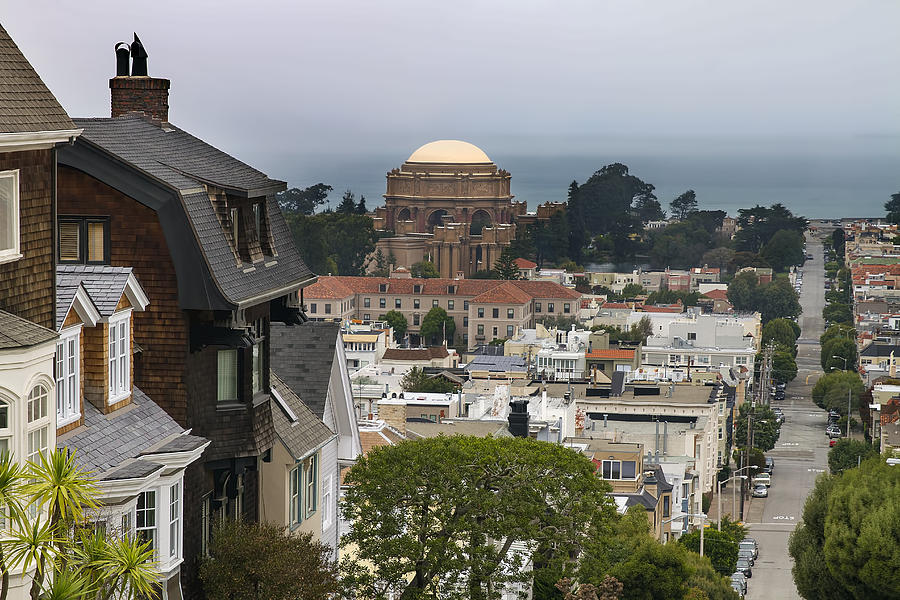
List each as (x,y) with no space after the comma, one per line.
(801,453)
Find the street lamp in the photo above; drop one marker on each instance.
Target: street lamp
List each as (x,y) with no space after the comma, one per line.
(849,389)
(732,493)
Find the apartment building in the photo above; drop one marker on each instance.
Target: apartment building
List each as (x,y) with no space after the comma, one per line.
(482,309)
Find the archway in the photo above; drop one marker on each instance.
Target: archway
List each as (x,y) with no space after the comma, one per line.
(435,219)
(480,220)
(403,215)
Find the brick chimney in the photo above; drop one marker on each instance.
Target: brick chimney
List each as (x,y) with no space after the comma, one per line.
(137,92)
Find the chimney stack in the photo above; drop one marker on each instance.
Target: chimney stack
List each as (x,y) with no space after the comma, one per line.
(518,418)
(136,91)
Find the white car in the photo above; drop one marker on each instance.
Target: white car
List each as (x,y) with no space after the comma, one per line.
(763,478)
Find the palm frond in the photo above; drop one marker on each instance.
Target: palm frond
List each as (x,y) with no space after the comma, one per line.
(67,585)
(129,563)
(58,482)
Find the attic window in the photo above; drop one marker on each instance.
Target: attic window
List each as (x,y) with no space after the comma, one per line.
(382,287)
(83,240)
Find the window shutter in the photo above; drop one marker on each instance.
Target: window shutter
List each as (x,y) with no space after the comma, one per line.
(69,241)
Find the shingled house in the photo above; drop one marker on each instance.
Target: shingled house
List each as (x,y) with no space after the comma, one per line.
(32,127)
(203,234)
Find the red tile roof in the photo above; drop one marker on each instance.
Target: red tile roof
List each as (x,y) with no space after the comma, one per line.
(617,305)
(506,293)
(546,289)
(612,353)
(717,294)
(524,263)
(327,288)
(416,353)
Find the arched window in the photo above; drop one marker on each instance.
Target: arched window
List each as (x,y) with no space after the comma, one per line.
(5,431)
(38,426)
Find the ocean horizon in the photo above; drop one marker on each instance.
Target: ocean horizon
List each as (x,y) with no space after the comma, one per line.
(823,182)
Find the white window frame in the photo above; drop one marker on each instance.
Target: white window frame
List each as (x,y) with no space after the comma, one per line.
(295,496)
(175,520)
(154,512)
(6,432)
(68,376)
(311,485)
(119,385)
(326,502)
(14,251)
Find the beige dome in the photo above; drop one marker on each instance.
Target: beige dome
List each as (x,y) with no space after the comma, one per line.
(450,152)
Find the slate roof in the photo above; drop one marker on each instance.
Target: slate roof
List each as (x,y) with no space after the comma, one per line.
(645,499)
(185,163)
(26,104)
(109,445)
(302,357)
(500,364)
(302,435)
(16,332)
(103,283)
(880,350)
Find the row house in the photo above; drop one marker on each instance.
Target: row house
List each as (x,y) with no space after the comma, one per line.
(482,309)
(203,234)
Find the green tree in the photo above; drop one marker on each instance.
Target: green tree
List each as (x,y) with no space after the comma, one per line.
(361,206)
(632,290)
(648,208)
(842,348)
(784,367)
(892,207)
(461,511)
(742,291)
(348,204)
(757,225)
(398,322)
(438,324)
(779,300)
(720,547)
(505,267)
(653,571)
(780,331)
(838,330)
(262,561)
(766,427)
(720,257)
(484,274)
(673,296)
(837,313)
(424,269)
(830,391)
(684,205)
(381,265)
(305,201)
(335,243)
(784,249)
(847,453)
(416,380)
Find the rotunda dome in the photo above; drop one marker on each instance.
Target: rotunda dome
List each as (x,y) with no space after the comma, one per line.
(449,152)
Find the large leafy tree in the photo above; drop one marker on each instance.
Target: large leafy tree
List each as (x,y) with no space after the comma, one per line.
(807,547)
(784,367)
(720,546)
(784,249)
(438,324)
(424,269)
(837,312)
(348,203)
(847,454)
(759,224)
(842,348)
(766,427)
(398,323)
(780,331)
(831,390)
(779,300)
(416,380)
(684,205)
(305,201)
(262,561)
(335,242)
(467,515)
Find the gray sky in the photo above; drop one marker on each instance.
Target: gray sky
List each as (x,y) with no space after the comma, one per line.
(262,78)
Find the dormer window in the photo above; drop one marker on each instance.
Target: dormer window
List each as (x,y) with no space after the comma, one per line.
(119,356)
(382,287)
(68,390)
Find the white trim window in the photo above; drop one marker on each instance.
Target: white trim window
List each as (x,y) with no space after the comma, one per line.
(5,431)
(68,390)
(294,496)
(312,484)
(38,442)
(119,356)
(9,216)
(327,494)
(145,522)
(175,520)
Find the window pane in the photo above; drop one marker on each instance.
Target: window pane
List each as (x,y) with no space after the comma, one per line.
(606,469)
(616,473)
(70,241)
(628,469)
(227,375)
(96,242)
(9,214)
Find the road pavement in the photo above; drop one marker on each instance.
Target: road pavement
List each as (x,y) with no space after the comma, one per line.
(801,453)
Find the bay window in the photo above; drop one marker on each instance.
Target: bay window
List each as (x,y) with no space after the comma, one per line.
(174,520)
(119,356)
(227,376)
(145,522)
(68,390)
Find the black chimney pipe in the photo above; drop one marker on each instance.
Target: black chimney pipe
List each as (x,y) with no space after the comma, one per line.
(518,418)
(122,53)
(138,58)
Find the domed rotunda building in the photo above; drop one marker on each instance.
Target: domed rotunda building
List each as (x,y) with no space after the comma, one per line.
(448,203)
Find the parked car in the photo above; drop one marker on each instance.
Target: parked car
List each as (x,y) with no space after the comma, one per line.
(738,589)
(739,583)
(748,554)
(743,565)
(833,432)
(770,465)
(779,394)
(833,416)
(749,545)
(763,478)
(831,443)
(760,491)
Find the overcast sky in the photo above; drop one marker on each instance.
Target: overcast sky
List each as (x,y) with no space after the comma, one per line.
(260,77)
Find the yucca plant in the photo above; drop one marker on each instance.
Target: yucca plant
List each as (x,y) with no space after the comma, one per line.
(67,585)
(129,570)
(34,542)
(11,510)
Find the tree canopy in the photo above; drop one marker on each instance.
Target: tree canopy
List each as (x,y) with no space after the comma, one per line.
(305,201)
(348,203)
(780,331)
(333,242)
(776,299)
(424,269)
(416,380)
(784,249)
(398,322)
(684,205)
(468,514)
(845,544)
(262,561)
(837,312)
(766,427)
(784,367)
(437,324)
(758,225)
(842,348)
(892,207)
(830,391)
(505,267)
(847,454)
(720,547)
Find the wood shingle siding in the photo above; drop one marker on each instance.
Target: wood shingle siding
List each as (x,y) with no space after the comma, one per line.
(27,284)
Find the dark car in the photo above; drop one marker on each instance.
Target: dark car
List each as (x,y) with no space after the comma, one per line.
(744,566)
(770,465)
(779,394)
